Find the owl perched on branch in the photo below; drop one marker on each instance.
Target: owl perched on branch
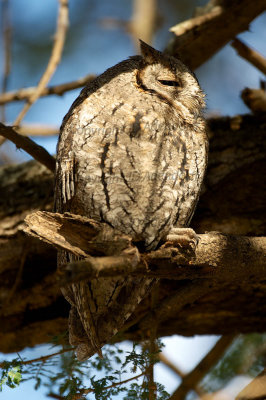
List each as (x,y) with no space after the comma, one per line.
(132,153)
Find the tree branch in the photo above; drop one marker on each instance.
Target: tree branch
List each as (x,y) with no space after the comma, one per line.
(59,90)
(6,33)
(37,130)
(255,99)
(28,145)
(143,21)
(191,380)
(250,55)
(176,370)
(212,258)
(42,358)
(59,40)
(199,38)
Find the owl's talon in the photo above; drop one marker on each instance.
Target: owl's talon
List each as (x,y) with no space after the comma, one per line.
(182,237)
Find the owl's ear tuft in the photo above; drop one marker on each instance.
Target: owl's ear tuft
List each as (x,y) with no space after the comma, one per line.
(149,54)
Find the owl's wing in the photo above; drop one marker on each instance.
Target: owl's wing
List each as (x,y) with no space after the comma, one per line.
(65,160)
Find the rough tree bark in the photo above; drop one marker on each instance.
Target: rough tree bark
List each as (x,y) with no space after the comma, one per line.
(232,202)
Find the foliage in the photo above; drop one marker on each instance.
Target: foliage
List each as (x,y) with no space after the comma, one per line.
(11,374)
(63,375)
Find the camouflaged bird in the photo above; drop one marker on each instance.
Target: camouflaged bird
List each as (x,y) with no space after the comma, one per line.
(132,153)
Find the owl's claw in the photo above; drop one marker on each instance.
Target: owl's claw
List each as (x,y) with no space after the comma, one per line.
(182,237)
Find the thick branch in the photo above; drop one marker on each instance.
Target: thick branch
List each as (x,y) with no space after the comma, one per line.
(212,258)
(199,38)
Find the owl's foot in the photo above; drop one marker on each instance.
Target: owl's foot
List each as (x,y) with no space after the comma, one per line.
(182,237)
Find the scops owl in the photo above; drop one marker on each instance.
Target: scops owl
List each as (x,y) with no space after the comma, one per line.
(132,153)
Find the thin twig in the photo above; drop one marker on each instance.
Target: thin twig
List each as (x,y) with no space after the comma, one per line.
(83,392)
(28,145)
(7,49)
(191,380)
(42,359)
(250,55)
(62,26)
(59,90)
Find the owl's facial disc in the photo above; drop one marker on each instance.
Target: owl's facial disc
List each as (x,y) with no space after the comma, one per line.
(171,81)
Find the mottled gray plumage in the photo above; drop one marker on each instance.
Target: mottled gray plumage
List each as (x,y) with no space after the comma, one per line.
(131,153)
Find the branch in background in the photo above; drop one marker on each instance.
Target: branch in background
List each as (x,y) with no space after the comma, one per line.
(255,99)
(175,369)
(143,22)
(28,145)
(250,55)
(191,380)
(43,358)
(60,35)
(6,24)
(25,94)
(37,130)
(199,38)
(170,365)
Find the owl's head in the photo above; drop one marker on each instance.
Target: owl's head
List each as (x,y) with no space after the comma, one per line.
(169,79)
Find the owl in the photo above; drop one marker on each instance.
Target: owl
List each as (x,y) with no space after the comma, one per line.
(132,153)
